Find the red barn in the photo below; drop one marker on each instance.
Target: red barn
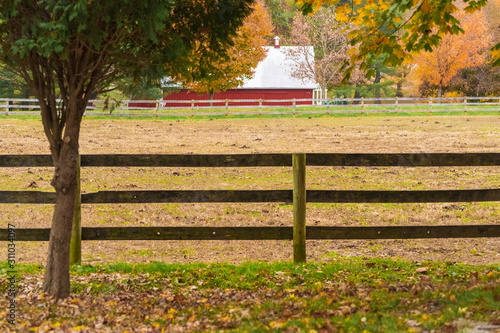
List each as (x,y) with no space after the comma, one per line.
(272,81)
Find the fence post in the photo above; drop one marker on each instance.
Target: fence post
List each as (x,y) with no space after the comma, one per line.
(157,109)
(7,109)
(294,104)
(124,105)
(227,106)
(299,207)
(75,252)
(260,107)
(192,108)
(430,106)
(362,106)
(396,113)
(465,106)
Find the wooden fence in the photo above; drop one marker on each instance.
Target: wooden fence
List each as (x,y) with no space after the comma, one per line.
(298,195)
(157,108)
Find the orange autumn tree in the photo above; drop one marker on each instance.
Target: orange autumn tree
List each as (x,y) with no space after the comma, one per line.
(455,52)
(241,60)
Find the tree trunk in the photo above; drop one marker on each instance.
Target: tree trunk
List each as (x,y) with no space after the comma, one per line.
(56,281)
(399,89)
(378,78)
(356,94)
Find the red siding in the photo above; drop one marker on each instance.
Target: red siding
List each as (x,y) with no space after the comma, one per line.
(142,105)
(264,94)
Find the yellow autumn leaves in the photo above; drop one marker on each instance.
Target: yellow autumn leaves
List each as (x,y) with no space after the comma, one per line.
(358,16)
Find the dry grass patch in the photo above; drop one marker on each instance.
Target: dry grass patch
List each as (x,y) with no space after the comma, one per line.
(232,136)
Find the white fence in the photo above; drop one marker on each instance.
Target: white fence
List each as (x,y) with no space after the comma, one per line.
(260,107)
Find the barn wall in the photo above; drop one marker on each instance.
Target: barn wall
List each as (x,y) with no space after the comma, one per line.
(146,106)
(265,94)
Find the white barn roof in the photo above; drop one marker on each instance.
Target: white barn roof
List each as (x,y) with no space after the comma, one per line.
(274,72)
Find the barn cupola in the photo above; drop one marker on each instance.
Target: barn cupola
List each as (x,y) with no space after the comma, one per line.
(276,42)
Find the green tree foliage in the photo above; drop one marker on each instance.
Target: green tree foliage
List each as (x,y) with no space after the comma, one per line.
(11,85)
(129,88)
(72,46)
(381,81)
(282,13)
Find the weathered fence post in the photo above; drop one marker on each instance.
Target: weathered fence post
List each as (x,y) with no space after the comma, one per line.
(157,109)
(124,105)
(260,107)
(192,108)
(396,113)
(294,104)
(465,106)
(430,106)
(75,252)
(299,207)
(227,107)
(7,109)
(362,106)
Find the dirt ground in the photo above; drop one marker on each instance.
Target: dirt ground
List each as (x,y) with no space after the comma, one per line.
(325,135)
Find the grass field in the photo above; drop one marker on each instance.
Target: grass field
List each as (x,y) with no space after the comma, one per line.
(350,286)
(404,108)
(361,134)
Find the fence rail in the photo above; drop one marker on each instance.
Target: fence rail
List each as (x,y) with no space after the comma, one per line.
(266,233)
(298,196)
(264,160)
(316,196)
(183,108)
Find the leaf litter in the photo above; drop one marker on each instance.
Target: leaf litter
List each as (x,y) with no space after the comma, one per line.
(286,298)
